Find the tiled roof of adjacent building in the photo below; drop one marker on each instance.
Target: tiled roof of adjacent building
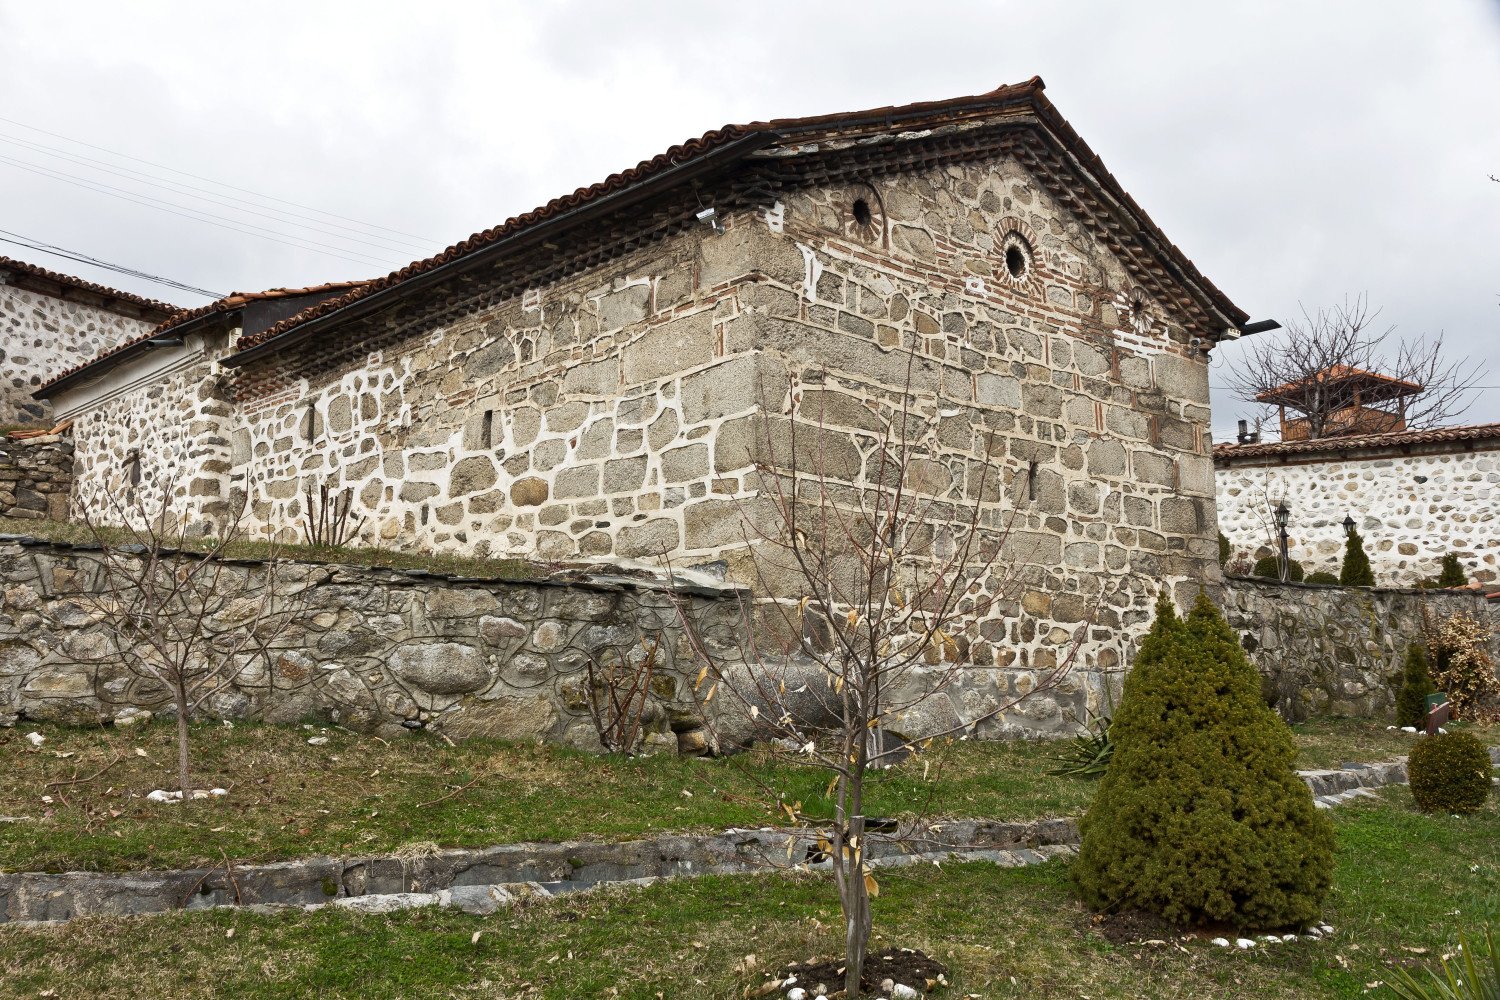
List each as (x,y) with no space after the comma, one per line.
(41,274)
(181,317)
(735,142)
(1384,386)
(1395,440)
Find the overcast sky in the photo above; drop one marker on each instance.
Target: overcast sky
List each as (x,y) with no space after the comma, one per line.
(1298,152)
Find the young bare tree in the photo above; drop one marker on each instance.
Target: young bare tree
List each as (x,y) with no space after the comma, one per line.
(1303,370)
(871,586)
(182,614)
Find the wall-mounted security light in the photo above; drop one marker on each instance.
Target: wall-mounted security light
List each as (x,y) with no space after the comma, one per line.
(710,217)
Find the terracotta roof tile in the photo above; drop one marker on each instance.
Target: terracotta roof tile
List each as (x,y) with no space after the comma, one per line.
(1336,374)
(68,280)
(1393,439)
(789,130)
(180,317)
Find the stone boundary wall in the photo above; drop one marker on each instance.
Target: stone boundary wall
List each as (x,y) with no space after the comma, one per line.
(1411,509)
(36,477)
(1336,650)
(385,651)
(374,650)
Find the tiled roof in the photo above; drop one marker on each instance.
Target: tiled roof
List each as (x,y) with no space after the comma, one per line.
(787,132)
(1338,374)
(181,317)
(69,281)
(1331,445)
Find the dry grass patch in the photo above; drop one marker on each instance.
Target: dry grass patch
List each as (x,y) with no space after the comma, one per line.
(360,794)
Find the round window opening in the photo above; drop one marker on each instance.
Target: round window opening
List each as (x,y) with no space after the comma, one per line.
(1016,261)
(862,214)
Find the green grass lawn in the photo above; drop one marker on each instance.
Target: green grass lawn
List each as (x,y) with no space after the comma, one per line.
(363,795)
(1405,885)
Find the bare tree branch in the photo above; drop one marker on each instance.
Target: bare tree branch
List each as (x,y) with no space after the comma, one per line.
(876,581)
(1307,370)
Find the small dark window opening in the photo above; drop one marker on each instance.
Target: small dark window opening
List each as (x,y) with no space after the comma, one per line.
(1031,481)
(862,213)
(133,468)
(1015,261)
(312,426)
(487,430)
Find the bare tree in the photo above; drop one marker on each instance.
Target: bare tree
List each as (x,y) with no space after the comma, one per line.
(872,587)
(182,615)
(1343,376)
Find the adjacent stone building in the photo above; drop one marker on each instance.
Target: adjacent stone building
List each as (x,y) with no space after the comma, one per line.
(1413,495)
(592,380)
(51,322)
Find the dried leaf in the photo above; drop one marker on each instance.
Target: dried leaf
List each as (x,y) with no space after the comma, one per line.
(871,886)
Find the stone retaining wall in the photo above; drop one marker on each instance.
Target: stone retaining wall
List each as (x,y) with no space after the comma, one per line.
(375,650)
(36,477)
(385,651)
(1334,650)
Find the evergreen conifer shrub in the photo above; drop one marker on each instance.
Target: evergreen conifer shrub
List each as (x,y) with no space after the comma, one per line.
(1323,577)
(1449,773)
(1356,571)
(1452,574)
(1416,685)
(1200,817)
(1225,551)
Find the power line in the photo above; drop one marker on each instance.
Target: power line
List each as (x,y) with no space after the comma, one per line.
(199,216)
(177,187)
(210,180)
(83,258)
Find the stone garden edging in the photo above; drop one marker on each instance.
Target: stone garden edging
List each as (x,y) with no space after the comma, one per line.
(484,880)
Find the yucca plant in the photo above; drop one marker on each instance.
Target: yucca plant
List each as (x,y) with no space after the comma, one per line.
(1088,754)
(1472,974)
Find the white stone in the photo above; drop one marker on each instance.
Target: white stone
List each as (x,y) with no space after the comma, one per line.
(1244,943)
(1221,942)
(36,739)
(387,902)
(317,741)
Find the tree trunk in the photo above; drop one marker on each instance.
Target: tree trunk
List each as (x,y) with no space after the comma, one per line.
(179,691)
(854,894)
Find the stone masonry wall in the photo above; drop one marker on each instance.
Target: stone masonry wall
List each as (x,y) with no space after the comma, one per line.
(386,651)
(1410,509)
(374,650)
(42,336)
(1335,650)
(36,477)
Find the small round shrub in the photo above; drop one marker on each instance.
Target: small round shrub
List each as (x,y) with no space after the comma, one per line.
(1416,685)
(1200,818)
(1270,568)
(1449,773)
(1323,577)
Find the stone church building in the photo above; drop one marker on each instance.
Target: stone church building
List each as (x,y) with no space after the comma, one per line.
(590,380)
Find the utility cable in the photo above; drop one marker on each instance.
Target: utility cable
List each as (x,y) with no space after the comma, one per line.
(210,180)
(82,258)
